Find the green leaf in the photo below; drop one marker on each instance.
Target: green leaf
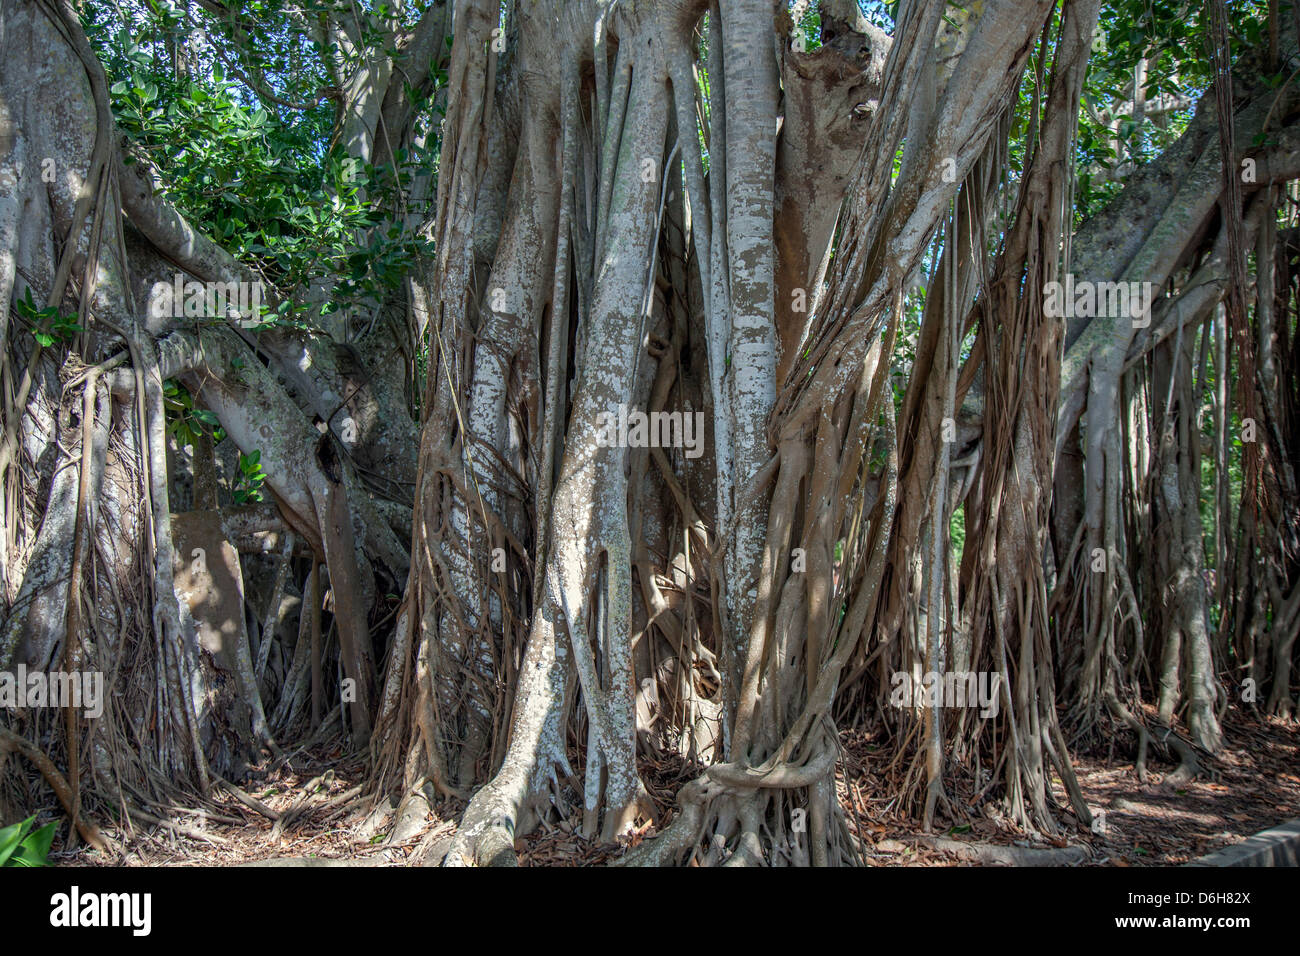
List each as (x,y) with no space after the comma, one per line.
(36,848)
(26,307)
(11,837)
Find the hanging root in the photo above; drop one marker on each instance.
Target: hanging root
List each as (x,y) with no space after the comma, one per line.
(58,783)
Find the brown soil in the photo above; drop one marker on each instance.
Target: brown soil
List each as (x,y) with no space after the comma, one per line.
(1254,784)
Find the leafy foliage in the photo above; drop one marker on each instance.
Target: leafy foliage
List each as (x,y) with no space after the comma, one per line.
(48,325)
(22,846)
(248,483)
(184,420)
(263,181)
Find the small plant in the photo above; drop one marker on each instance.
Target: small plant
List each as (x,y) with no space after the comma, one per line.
(48,325)
(18,847)
(248,483)
(184,420)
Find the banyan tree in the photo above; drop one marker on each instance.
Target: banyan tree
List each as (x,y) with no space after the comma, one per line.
(644,384)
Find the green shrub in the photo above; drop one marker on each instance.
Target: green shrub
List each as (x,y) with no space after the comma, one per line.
(18,847)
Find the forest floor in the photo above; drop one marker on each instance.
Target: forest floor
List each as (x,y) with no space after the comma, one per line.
(1253,785)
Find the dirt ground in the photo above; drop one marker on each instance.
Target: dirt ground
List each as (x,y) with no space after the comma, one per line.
(313,814)
(1252,785)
